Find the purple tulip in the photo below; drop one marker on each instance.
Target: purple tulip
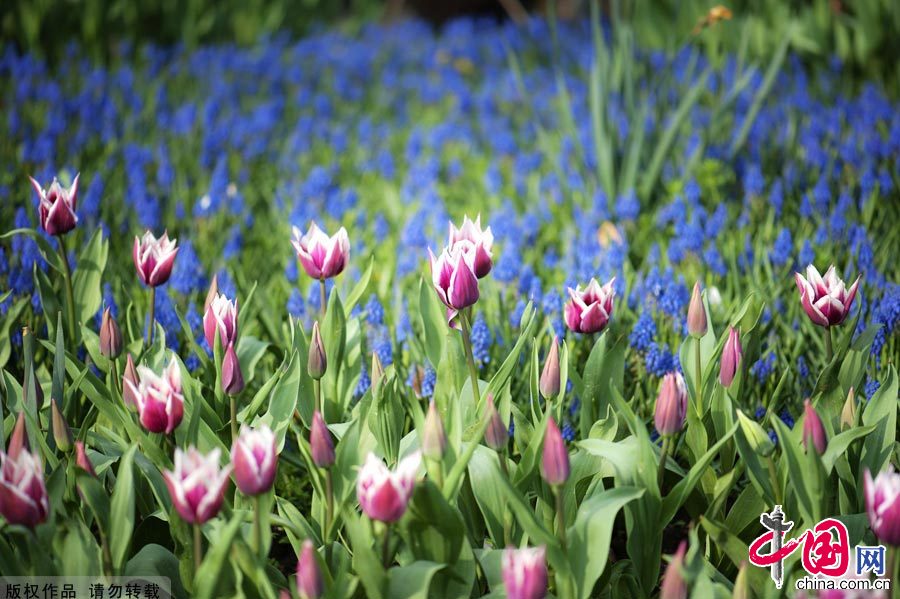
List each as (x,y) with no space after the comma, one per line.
(813,431)
(525,573)
(732,354)
(589,310)
(23,495)
(549,383)
(673,585)
(453,277)
(158,398)
(316,360)
(321,256)
(154,258)
(82,461)
(222,314)
(197,484)
(471,240)
(825,299)
(232,377)
(309,576)
(671,404)
(555,457)
(696,319)
(320,443)
(254,458)
(384,495)
(496,435)
(130,383)
(883,505)
(57,206)
(110,336)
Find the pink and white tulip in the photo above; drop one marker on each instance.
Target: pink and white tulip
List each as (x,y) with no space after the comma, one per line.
(23,495)
(154,258)
(454,280)
(471,239)
(384,495)
(309,576)
(159,399)
(57,206)
(525,573)
(221,314)
(826,300)
(197,484)
(883,505)
(589,310)
(254,458)
(321,256)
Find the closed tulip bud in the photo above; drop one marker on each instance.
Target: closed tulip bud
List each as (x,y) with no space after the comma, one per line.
(671,405)
(130,382)
(377,370)
(154,258)
(309,576)
(317,363)
(110,336)
(57,206)
(732,354)
(197,484)
(434,439)
(321,256)
(696,319)
(589,310)
(673,584)
(254,459)
(18,439)
(848,413)
(62,434)
(826,300)
(211,294)
(496,435)
(320,443)
(472,240)
(384,495)
(23,495)
(813,431)
(549,385)
(756,437)
(221,316)
(883,505)
(82,461)
(158,398)
(555,457)
(524,572)
(454,280)
(232,377)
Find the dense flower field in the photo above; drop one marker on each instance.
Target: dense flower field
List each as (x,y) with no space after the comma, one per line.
(670,282)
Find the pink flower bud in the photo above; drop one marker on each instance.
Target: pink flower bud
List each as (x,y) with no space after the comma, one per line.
(197,484)
(320,443)
(110,336)
(18,440)
(813,431)
(154,258)
(555,458)
(549,384)
(254,458)
(525,573)
(309,576)
(57,206)
(825,300)
(159,400)
(470,239)
(232,377)
(82,461)
(496,435)
(23,496)
(732,354)
(321,256)
(317,361)
(696,319)
(671,404)
(673,585)
(222,314)
(883,505)
(434,439)
(130,383)
(384,495)
(454,280)
(589,310)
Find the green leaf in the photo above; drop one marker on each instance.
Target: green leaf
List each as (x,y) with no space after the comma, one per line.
(604,371)
(359,289)
(209,574)
(94,495)
(800,476)
(837,445)
(155,560)
(434,322)
(483,467)
(122,509)
(412,581)
(250,350)
(48,253)
(881,412)
(87,279)
(283,400)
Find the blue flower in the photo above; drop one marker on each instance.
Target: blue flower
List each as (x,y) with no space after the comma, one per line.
(783,249)
(481,340)
(374,311)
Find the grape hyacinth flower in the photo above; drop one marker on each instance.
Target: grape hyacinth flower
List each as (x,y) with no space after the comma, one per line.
(883,505)
(525,573)
(589,310)
(384,495)
(23,495)
(57,206)
(255,460)
(470,239)
(158,398)
(732,354)
(197,484)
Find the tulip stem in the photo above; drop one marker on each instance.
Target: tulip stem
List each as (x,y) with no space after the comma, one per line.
(829,351)
(776,483)
(329,506)
(560,516)
(323,299)
(317,388)
(70,293)
(470,357)
(663,457)
(150,328)
(386,546)
(114,372)
(257,527)
(232,406)
(198,548)
(507,524)
(699,383)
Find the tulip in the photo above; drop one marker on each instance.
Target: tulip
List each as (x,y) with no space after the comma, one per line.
(673,585)
(232,377)
(549,384)
(813,431)
(110,336)
(254,459)
(848,413)
(589,310)
(320,442)
(18,440)
(309,577)
(470,239)
(555,457)
(62,434)
(883,505)
(23,495)
(496,435)
(525,573)
(81,459)
(154,258)
(671,405)
(57,206)
(221,315)
(212,294)
(454,280)
(378,374)
(434,439)
(159,400)
(696,320)
(825,299)
(732,354)
(384,495)
(130,381)
(321,256)
(197,484)
(317,361)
